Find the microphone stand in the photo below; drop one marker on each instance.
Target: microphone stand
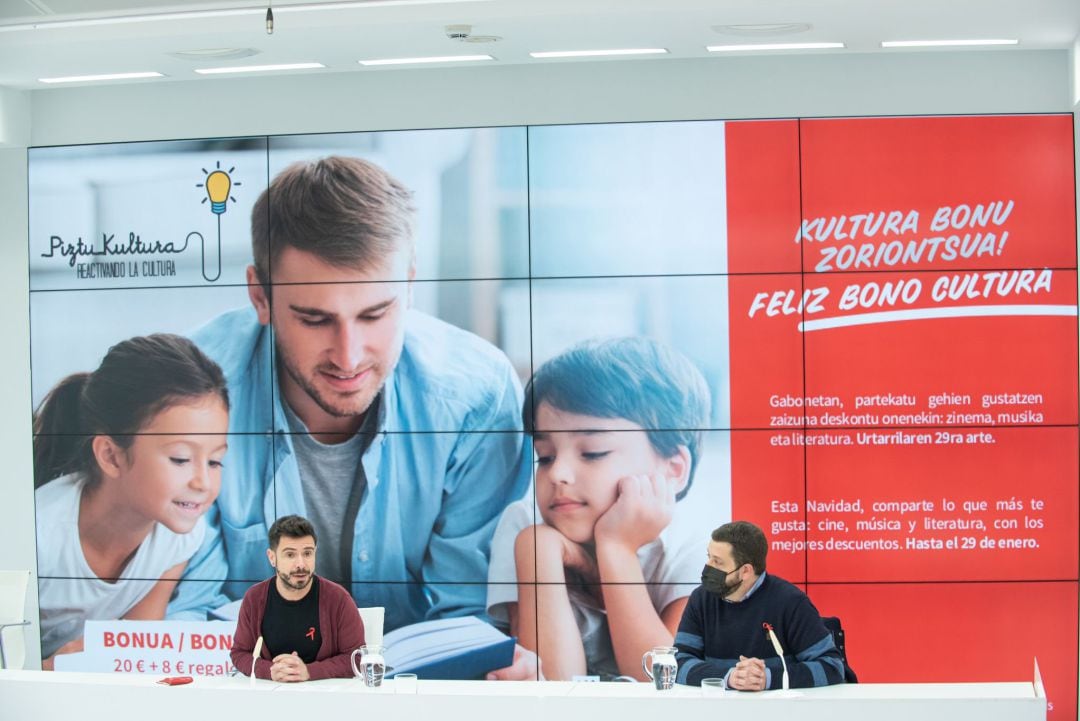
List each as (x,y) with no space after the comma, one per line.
(779,652)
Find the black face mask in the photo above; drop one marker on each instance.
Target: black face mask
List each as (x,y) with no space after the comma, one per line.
(715,581)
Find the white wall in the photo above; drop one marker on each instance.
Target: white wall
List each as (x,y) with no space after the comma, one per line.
(14,118)
(766,86)
(15,412)
(1074,71)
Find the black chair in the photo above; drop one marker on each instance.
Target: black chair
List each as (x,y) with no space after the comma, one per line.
(832,623)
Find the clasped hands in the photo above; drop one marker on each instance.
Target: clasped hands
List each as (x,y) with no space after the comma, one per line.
(288,667)
(748,675)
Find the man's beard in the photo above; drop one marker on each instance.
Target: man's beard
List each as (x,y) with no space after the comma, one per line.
(295,585)
(308,386)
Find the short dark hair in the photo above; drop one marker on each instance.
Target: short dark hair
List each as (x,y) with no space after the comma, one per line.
(291,527)
(748,543)
(346,211)
(635,378)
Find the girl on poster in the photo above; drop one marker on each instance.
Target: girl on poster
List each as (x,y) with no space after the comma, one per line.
(127,459)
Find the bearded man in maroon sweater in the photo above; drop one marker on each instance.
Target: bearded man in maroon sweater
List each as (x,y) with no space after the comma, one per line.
(309,625)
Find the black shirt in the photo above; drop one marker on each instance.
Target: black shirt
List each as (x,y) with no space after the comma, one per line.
(289,626)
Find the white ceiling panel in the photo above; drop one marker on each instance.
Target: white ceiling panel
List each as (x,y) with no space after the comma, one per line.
(338,35)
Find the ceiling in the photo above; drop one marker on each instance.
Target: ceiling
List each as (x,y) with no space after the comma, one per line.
(338,37)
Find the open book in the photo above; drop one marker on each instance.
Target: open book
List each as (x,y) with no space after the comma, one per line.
(448,648)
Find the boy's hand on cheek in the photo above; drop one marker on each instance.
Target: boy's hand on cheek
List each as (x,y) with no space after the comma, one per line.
(574,557)
(643,508)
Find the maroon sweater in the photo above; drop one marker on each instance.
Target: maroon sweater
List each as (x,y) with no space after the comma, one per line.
(339,623)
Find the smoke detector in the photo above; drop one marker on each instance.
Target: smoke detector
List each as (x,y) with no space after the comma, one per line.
(214,54)
(464,34)
(762,29)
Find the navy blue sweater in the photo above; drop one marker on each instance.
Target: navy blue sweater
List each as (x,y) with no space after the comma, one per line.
(713,633)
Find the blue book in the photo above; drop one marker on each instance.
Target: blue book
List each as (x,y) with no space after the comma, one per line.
(455,649)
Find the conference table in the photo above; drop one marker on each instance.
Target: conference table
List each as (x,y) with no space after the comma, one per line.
(46,695)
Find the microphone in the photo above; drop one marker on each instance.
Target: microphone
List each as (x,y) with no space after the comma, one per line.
(255,657)
(779,652)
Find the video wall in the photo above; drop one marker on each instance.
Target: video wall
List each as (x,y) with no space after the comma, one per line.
(520,344)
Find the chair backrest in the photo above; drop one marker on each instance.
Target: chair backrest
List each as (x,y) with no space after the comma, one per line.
(13,611)
(372,616)
(832,623)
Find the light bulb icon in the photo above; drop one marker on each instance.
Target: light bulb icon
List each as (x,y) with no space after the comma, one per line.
(218,185)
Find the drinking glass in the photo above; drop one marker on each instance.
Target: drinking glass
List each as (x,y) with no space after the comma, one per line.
(712,687)
(405,683)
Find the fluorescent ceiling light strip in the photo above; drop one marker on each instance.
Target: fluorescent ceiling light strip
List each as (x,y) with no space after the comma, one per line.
(773,46)
(598,53)
(433,59)
(128,19)
(92,78)
(946,43)
(258,68)
(221,13)
(352,5)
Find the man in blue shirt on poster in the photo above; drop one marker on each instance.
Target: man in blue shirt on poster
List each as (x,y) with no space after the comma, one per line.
(397,434)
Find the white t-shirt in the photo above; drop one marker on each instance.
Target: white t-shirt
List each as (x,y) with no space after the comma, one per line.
(671,567)
(69,592)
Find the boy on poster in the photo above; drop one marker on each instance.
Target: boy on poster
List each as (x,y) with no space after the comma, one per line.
(127,459)
(616,426)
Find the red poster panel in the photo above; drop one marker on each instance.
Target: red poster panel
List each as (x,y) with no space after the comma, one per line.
(965,632)
(766,351)
(902,349)
(934,193)
(943,504)
(923,374)
(769,491)
(763,196)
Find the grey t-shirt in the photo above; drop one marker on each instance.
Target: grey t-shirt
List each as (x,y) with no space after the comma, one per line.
(333,481)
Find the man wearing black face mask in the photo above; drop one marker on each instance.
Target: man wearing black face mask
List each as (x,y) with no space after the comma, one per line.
(722,632)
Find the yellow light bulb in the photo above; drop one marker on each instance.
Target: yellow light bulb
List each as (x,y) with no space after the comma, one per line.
(218,184)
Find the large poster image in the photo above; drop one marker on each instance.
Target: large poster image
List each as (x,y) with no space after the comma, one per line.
(443,444)
(515,377)
(935,317)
